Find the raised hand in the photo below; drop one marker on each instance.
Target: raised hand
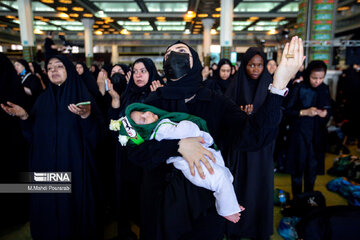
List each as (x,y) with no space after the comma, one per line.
(15,110)
(248,109)
(102,76)
(155,85)
(291,60)
(115,102)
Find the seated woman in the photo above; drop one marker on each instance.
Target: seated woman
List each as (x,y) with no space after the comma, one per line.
(63,138)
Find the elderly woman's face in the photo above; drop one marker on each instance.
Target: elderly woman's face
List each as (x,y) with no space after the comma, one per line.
(19,67)
(140,74)
(79,69)
(56,71)
(180,48)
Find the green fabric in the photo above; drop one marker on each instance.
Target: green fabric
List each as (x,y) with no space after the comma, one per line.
(145,131)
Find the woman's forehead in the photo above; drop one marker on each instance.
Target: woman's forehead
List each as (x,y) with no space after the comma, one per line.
(54,60)
(139,65)
(178,46)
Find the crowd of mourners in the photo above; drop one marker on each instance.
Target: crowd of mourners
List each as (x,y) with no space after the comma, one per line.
(241,112)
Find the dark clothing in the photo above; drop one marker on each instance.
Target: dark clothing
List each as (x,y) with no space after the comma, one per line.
(249,166)
(129,175)
(229,126)
(64,142)
(49,52)
(33,83)
(307,140)
(90,82)
(216,83)
(174,207)
(13,147)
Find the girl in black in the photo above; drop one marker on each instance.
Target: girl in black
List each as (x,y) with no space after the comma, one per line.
(221,77)
(309,110)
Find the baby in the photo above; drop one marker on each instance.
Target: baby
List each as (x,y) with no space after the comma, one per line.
(220,182)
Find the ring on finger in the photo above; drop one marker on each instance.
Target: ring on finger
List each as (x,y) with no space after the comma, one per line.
(290,55)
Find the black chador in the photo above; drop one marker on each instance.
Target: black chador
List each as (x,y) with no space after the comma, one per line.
(64,142)
(252,170)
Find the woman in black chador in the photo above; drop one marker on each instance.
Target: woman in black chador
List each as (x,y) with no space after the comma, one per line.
(221,78)
(143,80)
(88,79)
(63,138)
(249,90)
(13,147)
(309,110)
(172,207)
(31,83)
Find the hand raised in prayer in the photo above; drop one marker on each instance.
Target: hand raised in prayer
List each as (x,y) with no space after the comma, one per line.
(15,110)
(155,85)
(291,60)
(128,76)
(83,110)
(194,153)
(115,102)
(102,76)
(248,109)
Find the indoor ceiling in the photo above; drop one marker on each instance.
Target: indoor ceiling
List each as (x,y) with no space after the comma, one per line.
(149,16)
(146,19)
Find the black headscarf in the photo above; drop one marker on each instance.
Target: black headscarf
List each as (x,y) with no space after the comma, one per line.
(223,84)
(133,93)
(175,92)
(38,70)
(245,90)
(10,84)
(124,67)
(25,64)
(63,141)
(89,80)
(96,72)
(321,92)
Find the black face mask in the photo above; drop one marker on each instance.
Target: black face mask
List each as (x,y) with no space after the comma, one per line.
(176,65)
(119,82)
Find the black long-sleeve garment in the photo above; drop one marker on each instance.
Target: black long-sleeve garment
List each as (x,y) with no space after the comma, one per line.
(172,207)
(162,188)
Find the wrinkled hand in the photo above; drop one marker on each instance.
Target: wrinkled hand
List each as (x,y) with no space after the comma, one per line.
(83,111)
(288,67)
(194,153)
(155,85)
(115,102)
(248,109)
(15,110)
(322,113)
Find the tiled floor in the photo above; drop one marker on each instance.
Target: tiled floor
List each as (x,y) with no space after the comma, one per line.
(282,181)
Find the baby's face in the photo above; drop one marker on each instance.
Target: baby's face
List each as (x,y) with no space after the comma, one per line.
(142,118)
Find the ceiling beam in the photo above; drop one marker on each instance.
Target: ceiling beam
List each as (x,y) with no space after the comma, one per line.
(250,25)
(8,7)
(144,9)
(278,7)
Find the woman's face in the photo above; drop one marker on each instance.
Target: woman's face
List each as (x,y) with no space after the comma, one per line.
(140,74)
(56,71)
(19,67)
(79,69)
(316,78)
(225,71)
(180,48)
(255,67)
(117,69)
(271,66)
(31,66)
(92,69)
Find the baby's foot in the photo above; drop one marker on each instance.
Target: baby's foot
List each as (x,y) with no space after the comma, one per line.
(233,218)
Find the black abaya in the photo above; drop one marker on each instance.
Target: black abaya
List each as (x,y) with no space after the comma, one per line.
(64,142)
(175,208)
(216,83)
(248,167)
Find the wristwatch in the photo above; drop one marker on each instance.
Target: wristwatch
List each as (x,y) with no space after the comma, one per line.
(274,90)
